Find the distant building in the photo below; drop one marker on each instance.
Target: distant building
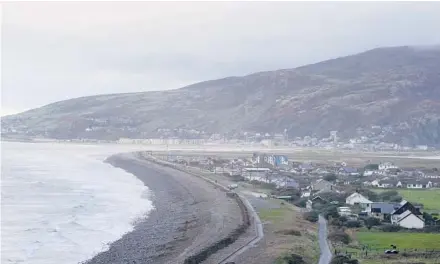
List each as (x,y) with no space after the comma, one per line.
(358,199)
(382,211)
(387,165)
(322,185)
(407,216)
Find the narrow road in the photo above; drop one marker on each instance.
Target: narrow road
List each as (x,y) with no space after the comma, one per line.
(258,229)
(326,255)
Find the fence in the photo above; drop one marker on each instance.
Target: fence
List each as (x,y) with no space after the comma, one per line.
(367,252)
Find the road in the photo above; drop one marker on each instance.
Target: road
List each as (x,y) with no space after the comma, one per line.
(326,255)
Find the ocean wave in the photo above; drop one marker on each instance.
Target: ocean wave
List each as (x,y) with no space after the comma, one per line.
(61,204)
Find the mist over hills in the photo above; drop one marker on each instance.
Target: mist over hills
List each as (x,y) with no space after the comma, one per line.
(385,94)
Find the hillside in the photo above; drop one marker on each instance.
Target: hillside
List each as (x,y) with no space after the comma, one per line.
(395,88)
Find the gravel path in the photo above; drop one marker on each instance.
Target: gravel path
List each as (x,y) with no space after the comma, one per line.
(189,214)
(326,255)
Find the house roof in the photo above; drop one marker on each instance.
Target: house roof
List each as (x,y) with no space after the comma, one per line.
(393,182)
(356,194)
(385,208)
(348,170)
(408,213)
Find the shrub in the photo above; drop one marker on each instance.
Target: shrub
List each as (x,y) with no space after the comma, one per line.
(395,199)
(335,222)
(330,177)
(343,260)
(371,221)
(339,236)
(353,224)
(391,228)
(328,211)
(343,218)
(386,196)
(311,216)
(290,259)
(432,229)
(301,202)
(290,232)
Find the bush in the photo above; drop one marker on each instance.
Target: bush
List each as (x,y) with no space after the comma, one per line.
(432,229)
(371,221)
(330,177)
(343,219)
(311,216)
(301,202)
(386,196)
(390,228)
(290,259)
(339,236)
(328,211)
(290,232)
(353,224)
(343,260)
(395,199)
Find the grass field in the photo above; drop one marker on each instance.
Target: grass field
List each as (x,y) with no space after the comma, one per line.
(278,224)
(401,240)
(429,198)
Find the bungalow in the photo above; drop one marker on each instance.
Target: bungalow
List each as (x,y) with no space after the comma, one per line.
(407,216)
(322,185)
(358,199)
(255,173)
(348,171)
(387,165)
(381,210)
(414,184)
(314,202)
(387,184)
(368,173)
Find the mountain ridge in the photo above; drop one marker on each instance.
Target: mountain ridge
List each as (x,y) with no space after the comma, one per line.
(396,88)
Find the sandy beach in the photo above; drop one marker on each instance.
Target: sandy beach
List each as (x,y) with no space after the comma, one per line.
(189,215)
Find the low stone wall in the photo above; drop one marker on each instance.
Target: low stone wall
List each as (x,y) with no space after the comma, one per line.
(228,240)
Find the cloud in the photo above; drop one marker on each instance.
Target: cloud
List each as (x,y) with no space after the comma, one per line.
(58,50)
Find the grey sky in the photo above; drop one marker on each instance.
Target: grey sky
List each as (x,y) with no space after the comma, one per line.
(59,50)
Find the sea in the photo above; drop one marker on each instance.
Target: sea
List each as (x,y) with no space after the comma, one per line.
(60,203)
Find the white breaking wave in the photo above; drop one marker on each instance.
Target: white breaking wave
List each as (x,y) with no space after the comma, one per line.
(62,204)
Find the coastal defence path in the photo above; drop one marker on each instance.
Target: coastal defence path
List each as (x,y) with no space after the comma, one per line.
(249,211)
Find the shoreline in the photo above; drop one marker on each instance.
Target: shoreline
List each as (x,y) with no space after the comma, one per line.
(189,215)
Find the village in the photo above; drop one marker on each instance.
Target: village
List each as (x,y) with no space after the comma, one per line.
(362,205)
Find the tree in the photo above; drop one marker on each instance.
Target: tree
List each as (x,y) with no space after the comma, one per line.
(353,224)
(373,196)
(301,202)
(371,221)
(395,199)
(330,211)
(311,216)
(371,167)
(330,177)
(386,196)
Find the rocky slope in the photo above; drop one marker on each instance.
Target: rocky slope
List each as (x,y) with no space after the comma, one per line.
(395,88)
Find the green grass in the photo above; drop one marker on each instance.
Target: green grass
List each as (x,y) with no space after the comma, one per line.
(273,215)
(429,198)
(400,239)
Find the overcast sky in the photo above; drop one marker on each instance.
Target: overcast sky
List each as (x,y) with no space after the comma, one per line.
(59,50)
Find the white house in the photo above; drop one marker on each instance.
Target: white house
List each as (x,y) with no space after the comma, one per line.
(370,173)
(407,216)
(418,184)
(387,165)
(357,199)
(344,211)
(408,220)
